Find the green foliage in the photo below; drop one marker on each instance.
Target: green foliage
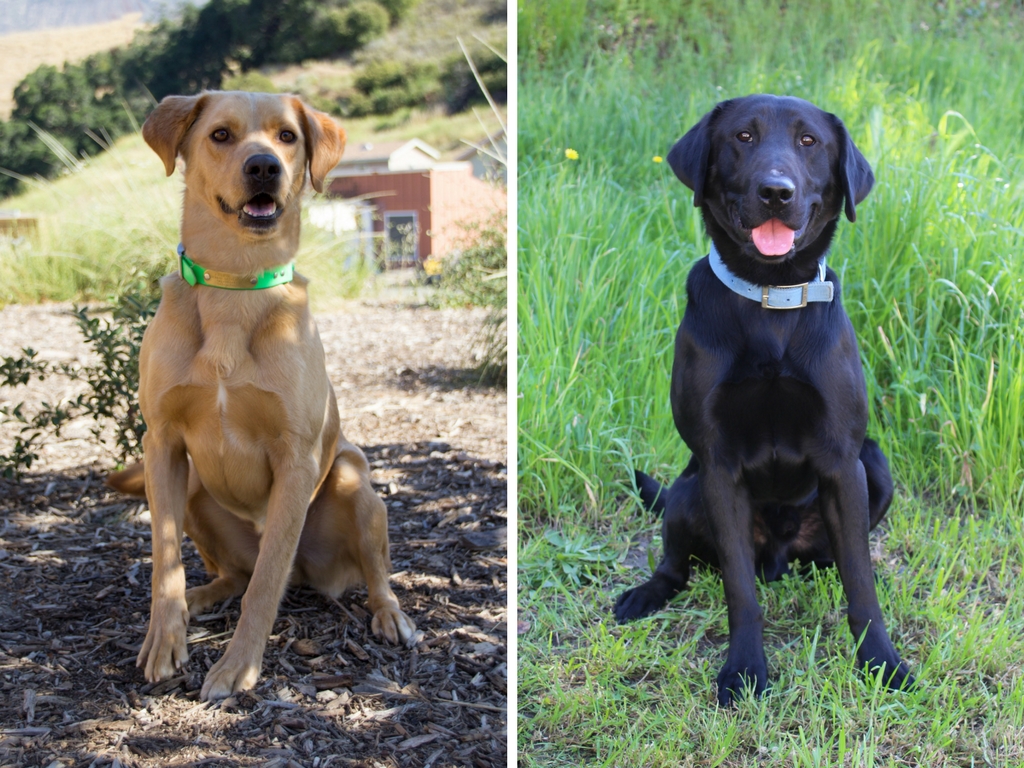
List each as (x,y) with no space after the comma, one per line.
(112,395)
(365,21)
(460,86)
(478,275)
(383,87)
(397,9)
(340,30)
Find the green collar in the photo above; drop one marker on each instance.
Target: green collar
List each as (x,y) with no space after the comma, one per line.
(194,274)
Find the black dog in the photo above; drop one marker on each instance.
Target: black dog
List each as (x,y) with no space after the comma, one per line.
(767,387)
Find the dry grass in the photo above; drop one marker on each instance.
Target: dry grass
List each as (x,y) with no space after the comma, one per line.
(22,52)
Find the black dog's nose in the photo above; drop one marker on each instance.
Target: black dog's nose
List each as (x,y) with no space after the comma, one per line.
(776,190)
(262,167)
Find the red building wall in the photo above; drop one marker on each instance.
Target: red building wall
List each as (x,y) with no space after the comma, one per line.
(392,192)
(444,199)
(457,198)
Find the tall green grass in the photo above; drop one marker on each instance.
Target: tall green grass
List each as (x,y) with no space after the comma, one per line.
(932,275)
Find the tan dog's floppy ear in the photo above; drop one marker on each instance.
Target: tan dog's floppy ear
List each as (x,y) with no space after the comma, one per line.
(325,142)
(166,126)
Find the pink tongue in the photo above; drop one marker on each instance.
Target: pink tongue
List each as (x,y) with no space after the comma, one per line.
(260,209)
(773,238)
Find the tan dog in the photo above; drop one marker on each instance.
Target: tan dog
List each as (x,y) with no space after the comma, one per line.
(244,450)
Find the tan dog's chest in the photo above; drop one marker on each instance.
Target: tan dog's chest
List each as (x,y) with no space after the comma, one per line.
(238,416)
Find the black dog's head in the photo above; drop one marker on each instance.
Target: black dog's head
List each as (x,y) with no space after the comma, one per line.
(770,174)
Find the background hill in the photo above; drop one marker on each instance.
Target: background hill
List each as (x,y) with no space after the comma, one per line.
(26,15)
(23,52)
(398,59)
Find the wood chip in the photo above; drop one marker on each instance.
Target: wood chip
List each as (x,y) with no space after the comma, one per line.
(305,647)
(417,741)
(356,651)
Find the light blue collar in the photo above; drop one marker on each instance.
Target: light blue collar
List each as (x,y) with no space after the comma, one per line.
(775,296)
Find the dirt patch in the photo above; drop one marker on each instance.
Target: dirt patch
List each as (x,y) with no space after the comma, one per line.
(74,583)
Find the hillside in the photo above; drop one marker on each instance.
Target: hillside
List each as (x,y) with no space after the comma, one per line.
(27,15)
(22,52)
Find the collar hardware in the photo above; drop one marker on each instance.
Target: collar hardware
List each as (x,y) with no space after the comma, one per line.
(775,296)
(766,296)
(195,274)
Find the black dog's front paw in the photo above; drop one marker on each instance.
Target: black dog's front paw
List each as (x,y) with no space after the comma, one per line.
(895,674)
(644,600)
(876,653)
(734,679)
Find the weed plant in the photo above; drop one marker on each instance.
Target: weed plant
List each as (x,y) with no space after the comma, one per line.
(111,397)
(479,276)
(933,280)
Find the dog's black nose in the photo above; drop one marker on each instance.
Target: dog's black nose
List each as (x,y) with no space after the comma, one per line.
(776,190)
(262,167)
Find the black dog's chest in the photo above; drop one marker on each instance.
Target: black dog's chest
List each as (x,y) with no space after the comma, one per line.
(771,410)
(766,421)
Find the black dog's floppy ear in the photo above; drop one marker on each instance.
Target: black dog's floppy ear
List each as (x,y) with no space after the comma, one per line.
(689,157)
(855,176)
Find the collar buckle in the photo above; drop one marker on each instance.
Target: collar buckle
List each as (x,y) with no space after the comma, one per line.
(766,296)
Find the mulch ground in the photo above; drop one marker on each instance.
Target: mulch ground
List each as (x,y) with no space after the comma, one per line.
(74,583)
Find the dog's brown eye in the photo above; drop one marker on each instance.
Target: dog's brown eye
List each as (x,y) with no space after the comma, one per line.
(745,137)
(287,137)
(220,134)
(807,140)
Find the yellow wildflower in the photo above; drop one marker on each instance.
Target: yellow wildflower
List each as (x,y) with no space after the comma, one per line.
(657,158)
(572,154)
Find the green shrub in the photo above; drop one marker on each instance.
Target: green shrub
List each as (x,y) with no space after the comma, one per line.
(380,74)
(357,104)
(397,8)
(383,87)
(112,396)
(365,21)
(479,276)
(340,30)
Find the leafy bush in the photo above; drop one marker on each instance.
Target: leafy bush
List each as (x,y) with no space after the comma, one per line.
(397,8)
(479,276)
(384,87)
(112,396)
(365,21)
(344,29)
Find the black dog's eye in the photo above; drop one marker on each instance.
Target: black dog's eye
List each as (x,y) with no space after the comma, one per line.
(745,137)
(807,140)
(220,135)
(287,137)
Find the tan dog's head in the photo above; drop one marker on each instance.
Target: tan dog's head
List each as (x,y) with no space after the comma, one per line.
(245,154)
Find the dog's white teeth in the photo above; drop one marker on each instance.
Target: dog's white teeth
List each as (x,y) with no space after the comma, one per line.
(260,210)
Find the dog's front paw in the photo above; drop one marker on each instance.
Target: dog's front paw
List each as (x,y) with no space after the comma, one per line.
(234,672)
(735,679)
(393,624)
(895,672)
(644,600)
(164,651)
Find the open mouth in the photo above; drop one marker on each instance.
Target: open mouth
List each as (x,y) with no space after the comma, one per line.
(261,211)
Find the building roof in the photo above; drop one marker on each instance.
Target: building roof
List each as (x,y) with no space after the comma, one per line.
(365,153)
